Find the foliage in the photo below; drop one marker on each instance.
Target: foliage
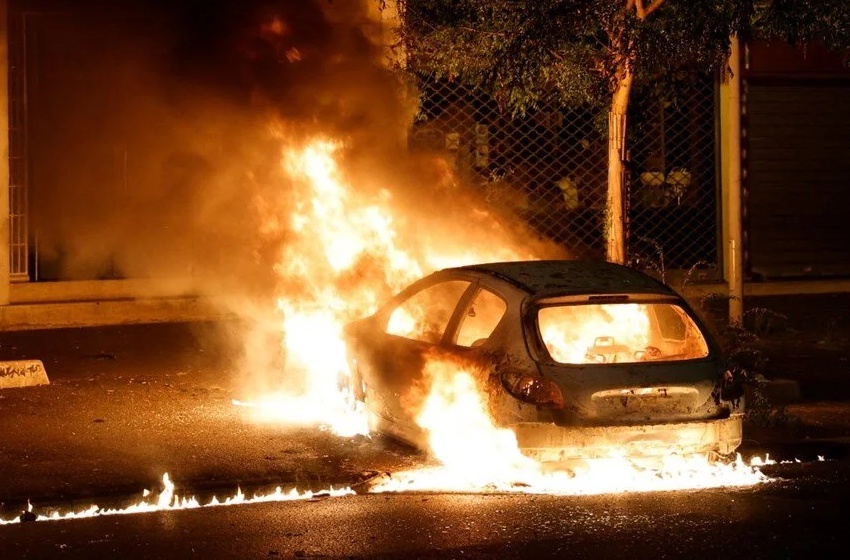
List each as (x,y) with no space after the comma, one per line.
(802,21)
(746,359)
(575,51)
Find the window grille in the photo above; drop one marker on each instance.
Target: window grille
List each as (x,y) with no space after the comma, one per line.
(18,185)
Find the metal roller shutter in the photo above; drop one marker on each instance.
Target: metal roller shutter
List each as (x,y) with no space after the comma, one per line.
(797,205)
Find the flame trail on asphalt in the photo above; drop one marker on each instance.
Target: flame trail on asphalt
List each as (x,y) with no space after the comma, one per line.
(168,500)
(422,480)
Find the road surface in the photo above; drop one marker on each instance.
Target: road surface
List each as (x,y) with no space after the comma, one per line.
(124,405)
(799,514)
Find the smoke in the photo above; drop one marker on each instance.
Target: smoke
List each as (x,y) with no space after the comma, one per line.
(157,140)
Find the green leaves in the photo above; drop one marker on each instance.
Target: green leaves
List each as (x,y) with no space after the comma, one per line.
(799,21)
(529,52)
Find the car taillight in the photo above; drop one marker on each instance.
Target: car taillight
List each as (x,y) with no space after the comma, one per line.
(730,387)
(533,390)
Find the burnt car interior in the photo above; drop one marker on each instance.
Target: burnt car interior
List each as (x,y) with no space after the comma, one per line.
(480,319)
(425,315)
(629,332)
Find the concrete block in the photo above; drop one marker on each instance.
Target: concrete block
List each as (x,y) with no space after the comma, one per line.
(22,373)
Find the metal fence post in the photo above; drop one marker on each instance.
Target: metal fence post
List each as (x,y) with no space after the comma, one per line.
(731,186)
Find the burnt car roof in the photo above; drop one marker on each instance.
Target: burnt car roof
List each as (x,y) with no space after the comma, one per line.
(566,277)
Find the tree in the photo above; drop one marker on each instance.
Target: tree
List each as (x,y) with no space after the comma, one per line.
(534,52)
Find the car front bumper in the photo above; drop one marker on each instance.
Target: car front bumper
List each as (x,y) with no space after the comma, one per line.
(547,442)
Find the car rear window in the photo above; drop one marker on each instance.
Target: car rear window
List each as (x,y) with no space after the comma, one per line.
(588,333)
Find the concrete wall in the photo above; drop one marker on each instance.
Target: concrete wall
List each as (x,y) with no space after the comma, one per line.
(55,315)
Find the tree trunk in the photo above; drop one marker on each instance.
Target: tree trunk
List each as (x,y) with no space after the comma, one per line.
(615,230)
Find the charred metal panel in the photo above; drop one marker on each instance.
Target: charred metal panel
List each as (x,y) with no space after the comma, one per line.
(552,443)
(643,401)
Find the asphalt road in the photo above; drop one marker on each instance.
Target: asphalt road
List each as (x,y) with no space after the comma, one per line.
(127,404)
(800,514)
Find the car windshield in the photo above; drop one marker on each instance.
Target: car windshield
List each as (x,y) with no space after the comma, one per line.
(589,333)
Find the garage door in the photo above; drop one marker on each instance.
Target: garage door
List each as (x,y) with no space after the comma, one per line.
(797,204)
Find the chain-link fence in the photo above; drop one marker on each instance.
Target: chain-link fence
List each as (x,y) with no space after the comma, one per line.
(550,168)
(673,202)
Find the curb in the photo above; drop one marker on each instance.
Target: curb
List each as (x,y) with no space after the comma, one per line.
(778,391)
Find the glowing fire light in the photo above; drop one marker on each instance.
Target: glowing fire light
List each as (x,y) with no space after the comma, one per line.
(338,415)
(348,251)
(168,500)
(478,456)
(569,344)
(603,476)
(613,477)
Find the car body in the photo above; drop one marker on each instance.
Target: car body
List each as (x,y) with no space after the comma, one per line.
(581,359)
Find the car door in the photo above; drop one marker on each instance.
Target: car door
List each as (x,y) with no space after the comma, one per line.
(392,357)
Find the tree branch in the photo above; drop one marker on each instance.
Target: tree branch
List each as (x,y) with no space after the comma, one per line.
(654,6)
(643,12)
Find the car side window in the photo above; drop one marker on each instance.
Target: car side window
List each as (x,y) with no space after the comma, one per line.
(480,319)
(425,315)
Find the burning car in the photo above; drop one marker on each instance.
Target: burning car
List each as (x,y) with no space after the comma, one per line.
(580,359)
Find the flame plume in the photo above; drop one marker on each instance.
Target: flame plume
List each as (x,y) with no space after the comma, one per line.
(349,249)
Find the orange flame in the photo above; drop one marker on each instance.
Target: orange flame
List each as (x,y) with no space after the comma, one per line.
(478,456)
(168,500)
(590,333)
(349,249)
